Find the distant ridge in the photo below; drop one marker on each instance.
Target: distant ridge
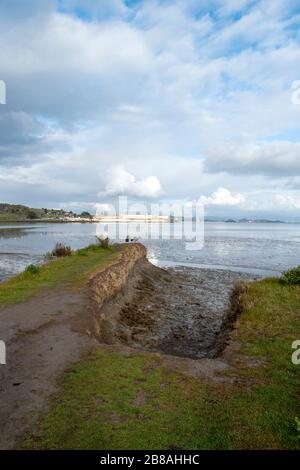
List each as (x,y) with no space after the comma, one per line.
(255,221)
(21,213)
(243,220)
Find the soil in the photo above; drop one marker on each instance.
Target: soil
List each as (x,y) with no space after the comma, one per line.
(40,345)
(177,312)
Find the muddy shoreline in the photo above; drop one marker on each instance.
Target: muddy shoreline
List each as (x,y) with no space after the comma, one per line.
(130,306)
(179,311)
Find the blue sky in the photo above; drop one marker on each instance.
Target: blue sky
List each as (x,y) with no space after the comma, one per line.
(161,100)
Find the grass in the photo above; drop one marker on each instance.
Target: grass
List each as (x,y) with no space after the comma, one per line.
(9,218)
(70,271)
(113,401)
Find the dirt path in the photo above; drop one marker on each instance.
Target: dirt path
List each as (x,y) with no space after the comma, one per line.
(41,344)
(176,312)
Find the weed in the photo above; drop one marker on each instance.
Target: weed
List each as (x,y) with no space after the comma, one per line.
(60,251)
(292,277)
(32,269)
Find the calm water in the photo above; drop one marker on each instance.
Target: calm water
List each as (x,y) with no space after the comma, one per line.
(266,249)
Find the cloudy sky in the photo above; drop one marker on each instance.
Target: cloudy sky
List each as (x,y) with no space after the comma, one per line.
(161,100)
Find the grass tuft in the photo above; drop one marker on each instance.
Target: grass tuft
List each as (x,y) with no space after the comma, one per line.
(60,251)
(32,269)
(292,277)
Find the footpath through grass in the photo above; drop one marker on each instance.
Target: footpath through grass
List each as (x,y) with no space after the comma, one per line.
(115,401)
(70,271)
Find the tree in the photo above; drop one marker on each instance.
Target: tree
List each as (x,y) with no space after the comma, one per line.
(32,215)
(85,214)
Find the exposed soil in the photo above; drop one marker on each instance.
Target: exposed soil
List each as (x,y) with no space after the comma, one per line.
(178,312)
(40,345)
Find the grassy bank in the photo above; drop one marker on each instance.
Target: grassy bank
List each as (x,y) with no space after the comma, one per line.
(12,213)
(70,271)
(112,400)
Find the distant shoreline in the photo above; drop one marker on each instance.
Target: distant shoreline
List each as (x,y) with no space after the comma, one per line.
(130,220)
(17,213)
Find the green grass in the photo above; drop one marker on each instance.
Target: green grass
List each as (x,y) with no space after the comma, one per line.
(10,218)
(70,271)
(112,401)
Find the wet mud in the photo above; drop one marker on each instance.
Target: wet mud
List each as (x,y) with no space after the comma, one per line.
(179,311)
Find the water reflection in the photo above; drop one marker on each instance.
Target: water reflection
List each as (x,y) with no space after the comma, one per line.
(11,232)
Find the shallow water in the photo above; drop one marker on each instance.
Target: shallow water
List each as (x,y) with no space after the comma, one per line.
(261,249)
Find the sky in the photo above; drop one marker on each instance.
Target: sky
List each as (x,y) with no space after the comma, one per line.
(160,100)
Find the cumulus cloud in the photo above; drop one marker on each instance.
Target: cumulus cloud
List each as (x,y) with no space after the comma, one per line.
(255,201)
(222,197)
(121,182)
(272,159)
(288,201)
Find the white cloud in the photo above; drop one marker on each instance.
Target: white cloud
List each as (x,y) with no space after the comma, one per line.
(288,201)
(273,159)
(222,197)
(121,182)
(255,201)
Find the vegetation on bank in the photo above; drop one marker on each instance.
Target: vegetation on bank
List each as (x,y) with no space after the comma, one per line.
(292,276)
(65,271)
(111,400)
(20,213)
(60,251)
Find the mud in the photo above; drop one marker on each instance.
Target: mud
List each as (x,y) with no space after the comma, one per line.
(184,312)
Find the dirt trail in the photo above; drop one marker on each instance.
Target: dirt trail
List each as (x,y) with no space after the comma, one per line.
(41,344)
(176,312)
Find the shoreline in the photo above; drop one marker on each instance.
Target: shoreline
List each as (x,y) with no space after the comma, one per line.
(255,272)
(126,323)
(130,220)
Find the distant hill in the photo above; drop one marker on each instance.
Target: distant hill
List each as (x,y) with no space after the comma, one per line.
(255,221)
(244,220)
(20,213)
